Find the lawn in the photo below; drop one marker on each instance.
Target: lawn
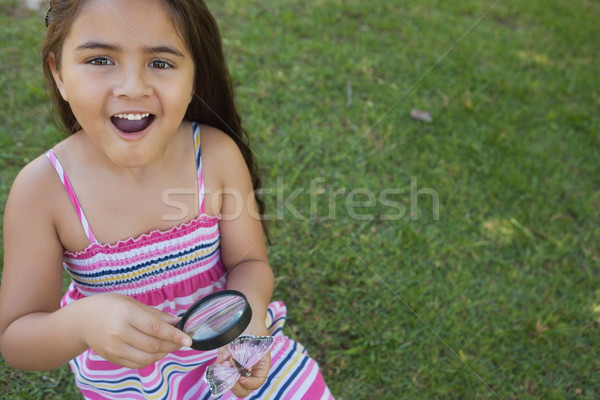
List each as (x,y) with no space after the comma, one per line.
(451,259)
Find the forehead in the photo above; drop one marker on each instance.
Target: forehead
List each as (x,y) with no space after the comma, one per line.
(128,23)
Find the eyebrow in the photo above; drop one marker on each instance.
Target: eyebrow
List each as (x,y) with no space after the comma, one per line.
(97,45)
(164,49)
(111,47)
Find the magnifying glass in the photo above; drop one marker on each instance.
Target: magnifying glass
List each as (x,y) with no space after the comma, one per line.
(217,319)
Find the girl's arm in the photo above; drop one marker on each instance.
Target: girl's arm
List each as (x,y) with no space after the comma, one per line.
(230,193)
(243,249)
(32,277)
(35,334)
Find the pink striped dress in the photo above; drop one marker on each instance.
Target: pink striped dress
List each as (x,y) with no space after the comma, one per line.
(170,270)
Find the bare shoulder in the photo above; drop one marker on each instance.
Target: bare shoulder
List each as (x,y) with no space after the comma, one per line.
(221,156)
(34,203)
(35,185)
(215,140)
(224,170)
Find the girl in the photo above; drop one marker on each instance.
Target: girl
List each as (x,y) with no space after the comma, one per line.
(149,204)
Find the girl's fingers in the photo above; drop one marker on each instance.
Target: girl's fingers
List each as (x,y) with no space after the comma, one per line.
(161,329)
(223,355)
(151,344)
(247,385)
(258,378)
(129,333)
(239,391)
(260,370)
(168,318)
(136,349)
(134,358)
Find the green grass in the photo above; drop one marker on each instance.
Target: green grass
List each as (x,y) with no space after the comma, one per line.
(496,299)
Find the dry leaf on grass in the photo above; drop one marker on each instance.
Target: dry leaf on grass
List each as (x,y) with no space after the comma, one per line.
(421,115)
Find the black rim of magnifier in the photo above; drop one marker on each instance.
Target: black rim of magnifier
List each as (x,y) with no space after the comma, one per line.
(225,337)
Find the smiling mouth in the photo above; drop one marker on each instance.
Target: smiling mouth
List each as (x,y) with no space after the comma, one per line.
(130,123)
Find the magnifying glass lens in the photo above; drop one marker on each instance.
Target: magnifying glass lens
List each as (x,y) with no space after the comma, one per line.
(216,319)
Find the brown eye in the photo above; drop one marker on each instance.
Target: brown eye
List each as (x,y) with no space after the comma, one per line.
(100,61)
(160,64)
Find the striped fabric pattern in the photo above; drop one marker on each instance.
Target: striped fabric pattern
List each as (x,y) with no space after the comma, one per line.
(149,262)
(170,270)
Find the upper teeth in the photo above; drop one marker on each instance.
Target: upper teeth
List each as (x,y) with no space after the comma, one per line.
(133,117)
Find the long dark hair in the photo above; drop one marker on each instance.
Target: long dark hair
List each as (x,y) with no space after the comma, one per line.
(213,100)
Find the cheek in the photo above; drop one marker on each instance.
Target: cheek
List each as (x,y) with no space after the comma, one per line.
(86,102)
(191,96)
(182,94)
(189,88)
(190,83)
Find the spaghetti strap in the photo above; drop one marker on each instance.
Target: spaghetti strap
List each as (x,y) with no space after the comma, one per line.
(67,184)
(201,206)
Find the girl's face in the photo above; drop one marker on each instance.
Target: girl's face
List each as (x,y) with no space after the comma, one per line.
(127,76)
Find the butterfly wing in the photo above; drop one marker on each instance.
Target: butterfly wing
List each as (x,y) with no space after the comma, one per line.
(221,378)
(247,350)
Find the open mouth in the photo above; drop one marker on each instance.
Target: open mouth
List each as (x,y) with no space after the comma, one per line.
(130,123)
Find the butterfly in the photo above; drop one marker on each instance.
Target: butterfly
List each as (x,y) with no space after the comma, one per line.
(245,351)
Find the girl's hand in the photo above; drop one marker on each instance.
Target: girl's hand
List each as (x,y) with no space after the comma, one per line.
(128,333)
(247,384)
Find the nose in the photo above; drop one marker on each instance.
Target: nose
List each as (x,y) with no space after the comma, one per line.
(132,83)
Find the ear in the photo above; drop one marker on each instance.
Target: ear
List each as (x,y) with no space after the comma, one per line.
(57,77)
